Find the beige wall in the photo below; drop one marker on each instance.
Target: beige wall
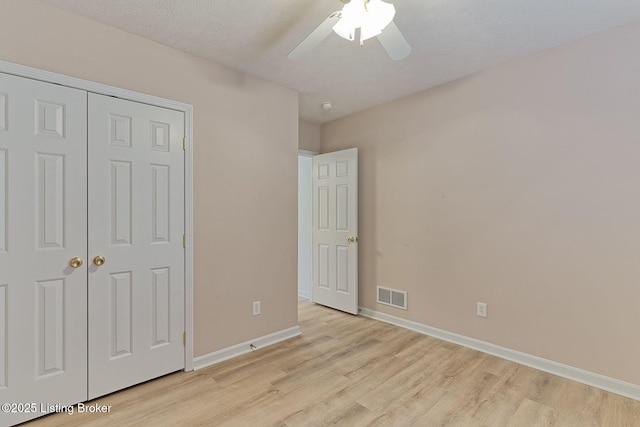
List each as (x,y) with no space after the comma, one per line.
(518,187)
(245,167)
(309,136)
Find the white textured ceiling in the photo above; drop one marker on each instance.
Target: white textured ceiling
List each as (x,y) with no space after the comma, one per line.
(450,39)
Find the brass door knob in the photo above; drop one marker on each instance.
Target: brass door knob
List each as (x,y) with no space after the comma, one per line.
(352,239)
(99,260)
(75,262)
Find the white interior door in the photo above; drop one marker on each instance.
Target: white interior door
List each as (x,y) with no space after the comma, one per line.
(136,223)
(335,230)
(43,224)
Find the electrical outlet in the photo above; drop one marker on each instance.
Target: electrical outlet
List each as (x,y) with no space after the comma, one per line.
(256,308)
(481,309)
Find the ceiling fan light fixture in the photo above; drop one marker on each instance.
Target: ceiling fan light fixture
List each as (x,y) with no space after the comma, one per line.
(371,16)
(368,31)
(345,28)
(374,18)
(380,13)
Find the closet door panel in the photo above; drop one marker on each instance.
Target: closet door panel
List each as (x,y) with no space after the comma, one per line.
(136,223)
(43,222)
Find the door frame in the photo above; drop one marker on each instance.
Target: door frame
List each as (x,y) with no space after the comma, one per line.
(187,109)
(308,154)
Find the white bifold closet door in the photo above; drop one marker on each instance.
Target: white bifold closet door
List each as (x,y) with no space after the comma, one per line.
(43,225)
(136,223)
(91,244)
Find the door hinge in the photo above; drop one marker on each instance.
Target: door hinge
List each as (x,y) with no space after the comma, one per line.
(184,143)
(184,241)
(184,338)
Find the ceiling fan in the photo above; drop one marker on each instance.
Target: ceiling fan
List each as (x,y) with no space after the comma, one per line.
(374,18)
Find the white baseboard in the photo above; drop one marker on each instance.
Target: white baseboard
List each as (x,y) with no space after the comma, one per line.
(244,348)
(585,377)
(304,294)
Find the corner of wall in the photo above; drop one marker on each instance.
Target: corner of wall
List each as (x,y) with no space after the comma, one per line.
(309,136)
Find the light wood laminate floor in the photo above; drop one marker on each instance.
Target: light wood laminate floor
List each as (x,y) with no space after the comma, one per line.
(353,371)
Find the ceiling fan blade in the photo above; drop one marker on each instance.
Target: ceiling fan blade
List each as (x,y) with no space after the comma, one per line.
(394,42)
(315,37)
